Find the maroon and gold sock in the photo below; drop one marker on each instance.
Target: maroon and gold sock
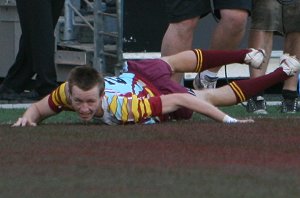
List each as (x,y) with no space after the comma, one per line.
(215,58)
(245,89)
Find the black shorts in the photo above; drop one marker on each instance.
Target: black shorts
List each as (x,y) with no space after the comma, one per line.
(179,10)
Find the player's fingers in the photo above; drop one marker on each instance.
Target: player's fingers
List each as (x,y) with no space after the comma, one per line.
(24,122)
(33,124)
(246,121)
(17,123)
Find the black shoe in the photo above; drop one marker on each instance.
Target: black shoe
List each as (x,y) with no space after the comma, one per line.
(8,94)
(289,105)
(31,95)
(257,105)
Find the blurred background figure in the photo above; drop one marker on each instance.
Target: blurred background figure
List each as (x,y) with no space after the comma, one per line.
(183,17)
(282,18)
(35,56)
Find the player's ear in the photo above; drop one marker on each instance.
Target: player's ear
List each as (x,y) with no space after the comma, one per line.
(102,95)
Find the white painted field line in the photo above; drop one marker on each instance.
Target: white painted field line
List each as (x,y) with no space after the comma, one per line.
(269,103)
(15,106)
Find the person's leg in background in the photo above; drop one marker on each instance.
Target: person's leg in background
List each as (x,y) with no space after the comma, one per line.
(36,50)
(43,19)
(291,21)
(283,20)
(21,72)
(289,89)
(259,40)
(266,20)
(183,19)
(228,34)
(179,37)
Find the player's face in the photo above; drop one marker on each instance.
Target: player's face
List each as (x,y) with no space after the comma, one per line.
(86,103)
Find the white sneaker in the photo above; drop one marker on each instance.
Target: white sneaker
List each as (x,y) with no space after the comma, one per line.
(255,58)
(290,64)
(206,82)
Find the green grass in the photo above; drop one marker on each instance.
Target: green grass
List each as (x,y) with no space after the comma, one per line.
(9,116)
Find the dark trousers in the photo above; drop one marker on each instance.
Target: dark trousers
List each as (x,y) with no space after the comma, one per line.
(38,19)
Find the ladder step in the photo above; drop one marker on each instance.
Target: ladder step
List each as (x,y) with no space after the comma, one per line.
(109,54)
(89,47)
(107,14)
(111,34)
(64,57)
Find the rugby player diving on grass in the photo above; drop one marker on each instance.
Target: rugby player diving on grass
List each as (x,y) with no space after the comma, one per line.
(145,93)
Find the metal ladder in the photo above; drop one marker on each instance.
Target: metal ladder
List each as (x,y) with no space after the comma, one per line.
(96,22)
(99,33)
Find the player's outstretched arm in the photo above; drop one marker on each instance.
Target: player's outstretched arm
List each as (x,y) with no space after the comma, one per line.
(172,102)
(35,113)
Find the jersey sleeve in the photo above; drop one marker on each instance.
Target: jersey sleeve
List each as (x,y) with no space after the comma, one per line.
(134,109)
(58,99)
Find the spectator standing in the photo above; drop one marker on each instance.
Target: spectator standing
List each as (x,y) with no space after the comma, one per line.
(35,56)
(269,18)
(183,19)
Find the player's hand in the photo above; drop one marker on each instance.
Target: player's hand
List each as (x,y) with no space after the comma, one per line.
(230,120)
(22,122)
